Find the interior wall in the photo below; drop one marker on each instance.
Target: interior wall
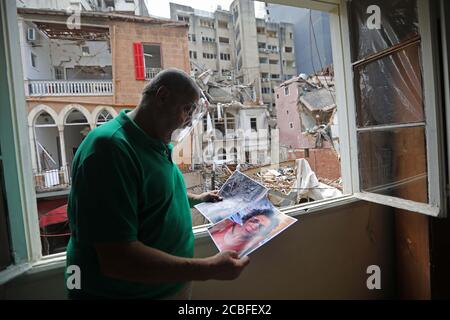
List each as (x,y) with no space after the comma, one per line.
(323,256)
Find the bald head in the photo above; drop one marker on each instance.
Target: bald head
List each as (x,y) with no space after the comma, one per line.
(177,82)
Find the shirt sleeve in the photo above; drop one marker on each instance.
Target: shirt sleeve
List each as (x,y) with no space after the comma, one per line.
(105,195)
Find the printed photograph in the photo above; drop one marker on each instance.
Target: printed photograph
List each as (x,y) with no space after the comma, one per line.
(237,193)
(260,223)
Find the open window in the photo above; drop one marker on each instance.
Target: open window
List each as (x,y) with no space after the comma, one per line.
(395,125)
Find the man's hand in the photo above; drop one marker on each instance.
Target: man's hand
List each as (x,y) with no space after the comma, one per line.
(226,265)
(211,196)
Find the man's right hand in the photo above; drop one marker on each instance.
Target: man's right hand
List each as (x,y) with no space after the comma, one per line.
(227,265)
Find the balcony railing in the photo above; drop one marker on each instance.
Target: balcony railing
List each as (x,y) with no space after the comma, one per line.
(150,73)
(52,180)
(69,88)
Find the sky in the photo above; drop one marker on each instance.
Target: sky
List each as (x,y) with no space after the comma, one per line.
(161,8)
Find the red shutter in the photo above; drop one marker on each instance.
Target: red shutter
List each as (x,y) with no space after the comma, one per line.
(139,61)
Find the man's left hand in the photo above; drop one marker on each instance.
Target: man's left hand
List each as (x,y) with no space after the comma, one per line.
(211,196)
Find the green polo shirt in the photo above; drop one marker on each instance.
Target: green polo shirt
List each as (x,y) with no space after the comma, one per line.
(125,187)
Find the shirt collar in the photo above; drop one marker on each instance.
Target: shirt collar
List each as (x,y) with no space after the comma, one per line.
(142,136)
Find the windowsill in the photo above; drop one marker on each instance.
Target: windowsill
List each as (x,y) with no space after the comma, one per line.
(55,262)
(14,271)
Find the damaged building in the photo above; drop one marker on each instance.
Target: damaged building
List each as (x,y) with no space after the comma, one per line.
(235,128)
(307,123)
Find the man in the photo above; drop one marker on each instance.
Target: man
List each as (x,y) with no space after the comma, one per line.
(129,211)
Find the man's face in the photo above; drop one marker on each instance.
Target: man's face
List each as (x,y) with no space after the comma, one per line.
(178,109)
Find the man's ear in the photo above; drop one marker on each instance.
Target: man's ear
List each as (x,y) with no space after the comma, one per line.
(162,94)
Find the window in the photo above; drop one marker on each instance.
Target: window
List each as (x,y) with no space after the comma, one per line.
(271,34)
(253,126)
(260,30)
(192,54)
(265,90)
(397,151)
(103,117)
(273,61)
(59,73)
(85,51)
(208,39)
(224,40)
(209,55)
(272,48)
(378,142)
(223,24)
(286,90)
(152,60)
(225,56)
(183,18)
(288,49)
(191,37)
(206,23)
(290,35)
(261,45)
(263,60)
(33,60)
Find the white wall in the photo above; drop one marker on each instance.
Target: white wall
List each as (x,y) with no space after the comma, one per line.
(51,53)
(68,54)
(45,4)
(41,49)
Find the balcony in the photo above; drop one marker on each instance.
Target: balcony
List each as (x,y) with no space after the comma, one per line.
(52,180)
(150,73)
(39,88)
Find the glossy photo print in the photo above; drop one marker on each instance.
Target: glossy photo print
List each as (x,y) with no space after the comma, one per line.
(259,223)
(237,193)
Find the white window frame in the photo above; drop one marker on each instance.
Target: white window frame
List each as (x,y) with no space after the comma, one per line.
(433,127)
(24,224)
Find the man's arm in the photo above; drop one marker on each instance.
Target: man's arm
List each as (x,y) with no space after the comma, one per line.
(137,262)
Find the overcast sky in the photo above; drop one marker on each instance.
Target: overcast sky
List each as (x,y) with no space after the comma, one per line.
(161,8)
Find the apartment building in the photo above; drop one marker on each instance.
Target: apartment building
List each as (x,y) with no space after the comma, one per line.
(236,45)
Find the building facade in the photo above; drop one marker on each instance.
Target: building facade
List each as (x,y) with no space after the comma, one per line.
(239,47)
(307,123)
(135,7)
(75,80)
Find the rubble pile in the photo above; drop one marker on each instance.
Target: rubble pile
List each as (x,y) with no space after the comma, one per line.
(281,180)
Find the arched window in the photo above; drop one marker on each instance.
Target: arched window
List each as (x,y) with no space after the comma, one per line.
(222,154)
(103,117)
(75,117)
(76,128)
(44,120)
(46,143)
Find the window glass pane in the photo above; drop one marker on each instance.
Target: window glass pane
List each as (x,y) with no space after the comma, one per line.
(389,90)
(393,162)
(398,22)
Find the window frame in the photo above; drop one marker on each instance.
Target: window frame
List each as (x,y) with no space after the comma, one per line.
(20,196)
(433,125)
(24,228)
